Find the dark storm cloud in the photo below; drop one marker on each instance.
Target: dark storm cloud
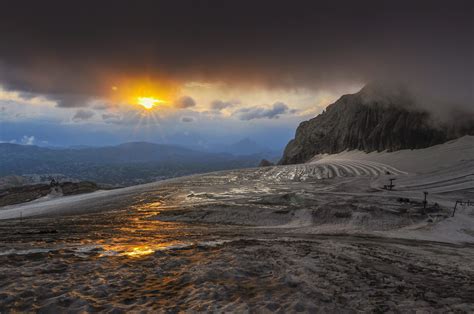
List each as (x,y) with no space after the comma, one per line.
(61,48)
(274,112)
(185,102)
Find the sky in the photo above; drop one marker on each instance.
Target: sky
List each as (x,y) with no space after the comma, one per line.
(196,73)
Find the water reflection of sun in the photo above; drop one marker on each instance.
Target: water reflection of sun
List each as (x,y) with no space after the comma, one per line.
(137,250)
(140,234)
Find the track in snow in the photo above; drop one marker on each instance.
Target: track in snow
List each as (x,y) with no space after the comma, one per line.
(451,179)
(325,169)
(459,177)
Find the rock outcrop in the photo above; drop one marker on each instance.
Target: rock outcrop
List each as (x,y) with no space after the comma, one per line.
(374,119)
(265,163)
(27,193)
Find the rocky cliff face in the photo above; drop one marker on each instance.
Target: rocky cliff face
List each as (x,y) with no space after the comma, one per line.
(374,119)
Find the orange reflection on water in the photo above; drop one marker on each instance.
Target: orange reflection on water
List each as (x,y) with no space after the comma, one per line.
(137,233)
(153,206)
(139,251)
(136,251)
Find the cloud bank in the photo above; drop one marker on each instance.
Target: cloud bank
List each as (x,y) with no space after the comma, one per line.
(72,52)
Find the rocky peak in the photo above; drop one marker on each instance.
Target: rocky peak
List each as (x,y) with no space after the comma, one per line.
(376,118)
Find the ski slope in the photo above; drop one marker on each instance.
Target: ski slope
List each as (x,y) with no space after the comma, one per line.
(326,169)
(444,168)
(446,171)
(455,153)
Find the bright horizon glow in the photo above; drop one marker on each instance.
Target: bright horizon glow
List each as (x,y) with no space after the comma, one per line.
(148,102)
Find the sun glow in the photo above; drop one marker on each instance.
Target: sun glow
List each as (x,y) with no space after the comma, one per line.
(146,93)
(148,102)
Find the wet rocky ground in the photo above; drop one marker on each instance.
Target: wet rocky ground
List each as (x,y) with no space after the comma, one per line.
(122,262)
(234,243)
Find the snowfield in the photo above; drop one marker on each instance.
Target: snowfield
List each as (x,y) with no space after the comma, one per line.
(330,168)
(448,167)
(324,236)
(445,171)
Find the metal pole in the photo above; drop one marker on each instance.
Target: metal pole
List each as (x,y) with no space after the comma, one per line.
(454,210)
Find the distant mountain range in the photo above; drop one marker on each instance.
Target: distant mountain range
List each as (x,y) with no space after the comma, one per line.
(245,146)
(374,119)
(125,164)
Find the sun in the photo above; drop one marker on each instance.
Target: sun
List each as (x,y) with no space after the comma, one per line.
(148,102)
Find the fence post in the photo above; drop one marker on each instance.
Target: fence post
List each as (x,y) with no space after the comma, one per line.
(454,209)
(425,202)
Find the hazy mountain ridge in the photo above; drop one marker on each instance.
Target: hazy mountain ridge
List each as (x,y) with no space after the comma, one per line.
(374,119)
(125,164)
(244,147)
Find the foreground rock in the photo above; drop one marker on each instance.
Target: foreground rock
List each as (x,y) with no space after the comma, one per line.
(374,119)
(27,193)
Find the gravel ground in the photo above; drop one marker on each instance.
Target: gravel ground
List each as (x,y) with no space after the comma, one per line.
(232,241)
